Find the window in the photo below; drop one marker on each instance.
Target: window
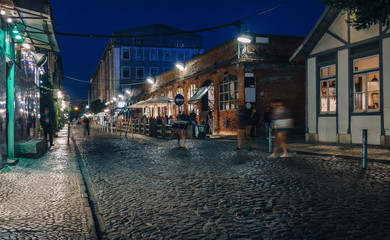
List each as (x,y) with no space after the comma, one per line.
(153,71)
(228,93)
(153,54)
(167,54)
(328,89)
(366,84)
(140,54)
(190,92)
(180,55)
(180,91)
(140,72)
(194,53)
(125,72)
(125,53)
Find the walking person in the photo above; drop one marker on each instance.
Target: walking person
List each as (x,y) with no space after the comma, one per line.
(86,125)
(282,122)
(183,120)
(47,125)
(267,120)
(254,118)
(242,122)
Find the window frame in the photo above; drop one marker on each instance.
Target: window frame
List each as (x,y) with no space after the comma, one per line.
(151,71)
(365,73)
(136,72)
(177,55)
(150,54)
(170,54)
(122,57)
(328,79)
(136,54)
(190,92)
(224,90)
(122,68)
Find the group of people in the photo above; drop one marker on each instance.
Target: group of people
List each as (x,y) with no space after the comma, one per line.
(276,118)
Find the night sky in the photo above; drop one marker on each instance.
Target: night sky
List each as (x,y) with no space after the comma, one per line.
(81,55)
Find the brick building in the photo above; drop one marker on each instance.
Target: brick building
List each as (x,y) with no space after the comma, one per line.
(259,73)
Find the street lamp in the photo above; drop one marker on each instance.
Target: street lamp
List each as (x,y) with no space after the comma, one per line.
(150,80)
(76,108)
(87,107)
(180,66)
(244,38)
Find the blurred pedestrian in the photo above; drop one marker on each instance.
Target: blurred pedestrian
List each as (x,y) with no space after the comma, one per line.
(282,123)
(183,121)
(267,120)
(242,116)
(86,125)
(47,125)
(193,116)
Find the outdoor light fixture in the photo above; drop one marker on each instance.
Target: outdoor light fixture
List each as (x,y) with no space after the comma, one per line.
(9,20)
(59,94)
(180,66)
(374,79)
(150,80)
(128,92)
(2,12)
(87,107)
(18,37)
(244,38)
(114,98)
(26,46)
(15,30)
(120,96)
(76,108)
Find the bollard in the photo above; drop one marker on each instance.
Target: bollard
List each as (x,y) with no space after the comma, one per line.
(270,140)
(364,143)
(68,132)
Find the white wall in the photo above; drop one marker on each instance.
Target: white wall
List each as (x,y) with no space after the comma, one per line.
(386,84)
(371,123)
(342,90)
(327,129)
(311,95)
(117,70)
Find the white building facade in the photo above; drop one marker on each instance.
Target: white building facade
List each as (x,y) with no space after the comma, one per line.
(347,81)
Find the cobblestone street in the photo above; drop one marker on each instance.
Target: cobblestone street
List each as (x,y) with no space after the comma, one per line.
(148,188)
(45,198)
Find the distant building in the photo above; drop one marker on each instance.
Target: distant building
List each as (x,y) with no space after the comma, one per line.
(347,81)
(216,83)
(127,62)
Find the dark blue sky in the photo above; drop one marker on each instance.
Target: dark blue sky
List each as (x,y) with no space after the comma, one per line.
(81,55)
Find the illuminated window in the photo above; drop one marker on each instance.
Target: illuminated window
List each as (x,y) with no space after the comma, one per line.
(228,93)
(190,92)
(366,81)
(180,91)
(328,89)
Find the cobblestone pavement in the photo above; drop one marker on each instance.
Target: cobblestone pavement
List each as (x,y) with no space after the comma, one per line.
(45,198)
(148,188)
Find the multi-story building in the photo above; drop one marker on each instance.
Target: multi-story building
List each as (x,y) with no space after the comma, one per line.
(138,53)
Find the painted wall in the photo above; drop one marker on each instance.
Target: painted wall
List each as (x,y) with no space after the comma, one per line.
(327,129)
(371,123)
(386,85)
(342,90)
(311,95)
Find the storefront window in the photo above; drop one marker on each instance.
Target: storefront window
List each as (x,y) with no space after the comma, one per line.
(328,89)
(191,91)
(228,93)
(366,84)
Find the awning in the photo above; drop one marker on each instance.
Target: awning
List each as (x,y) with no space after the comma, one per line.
(137,105)
(151,102)
(35,26)
(199,94)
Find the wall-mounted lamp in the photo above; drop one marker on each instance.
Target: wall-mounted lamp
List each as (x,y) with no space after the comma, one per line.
(244,38)
(2,12)
(150,80)
(180,66)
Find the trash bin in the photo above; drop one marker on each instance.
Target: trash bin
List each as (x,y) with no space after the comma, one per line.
(200,131)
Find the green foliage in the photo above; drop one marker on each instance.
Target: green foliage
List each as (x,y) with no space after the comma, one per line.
(96,106)
(363,13)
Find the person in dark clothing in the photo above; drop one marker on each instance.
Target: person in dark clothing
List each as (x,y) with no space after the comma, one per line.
(47,126)
(86,125)
(242,122)
(267,120)
(193,116)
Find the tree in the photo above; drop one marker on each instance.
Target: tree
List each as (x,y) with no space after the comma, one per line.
(96,106)
(363,13)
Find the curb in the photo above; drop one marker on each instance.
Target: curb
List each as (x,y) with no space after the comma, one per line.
(341,156)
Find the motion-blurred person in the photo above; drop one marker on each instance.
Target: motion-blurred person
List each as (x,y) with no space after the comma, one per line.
(267,120)
(47,126)
(242,122)
(193,116)
(86,126)
(282,122)
(254,118)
